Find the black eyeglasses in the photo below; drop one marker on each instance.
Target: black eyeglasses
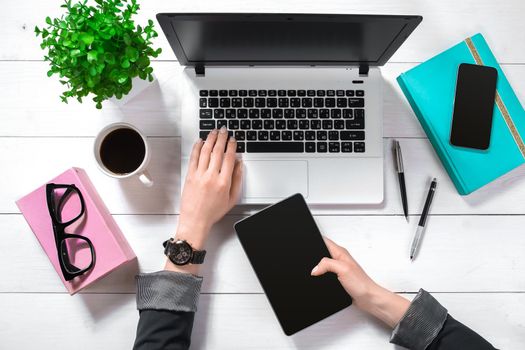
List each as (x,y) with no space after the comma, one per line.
(76,253)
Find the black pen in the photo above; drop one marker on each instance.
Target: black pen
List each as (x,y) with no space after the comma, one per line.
(423,219)
(401,177)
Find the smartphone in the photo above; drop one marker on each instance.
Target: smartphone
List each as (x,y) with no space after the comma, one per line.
(473,106)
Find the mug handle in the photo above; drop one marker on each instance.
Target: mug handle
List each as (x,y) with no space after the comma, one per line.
(145,178)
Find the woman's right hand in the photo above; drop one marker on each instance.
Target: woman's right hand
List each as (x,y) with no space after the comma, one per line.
(368,295)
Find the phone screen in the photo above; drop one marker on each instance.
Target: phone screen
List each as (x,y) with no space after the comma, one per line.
(473,106)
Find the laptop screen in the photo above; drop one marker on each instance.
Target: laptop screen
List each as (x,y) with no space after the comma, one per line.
(286,39)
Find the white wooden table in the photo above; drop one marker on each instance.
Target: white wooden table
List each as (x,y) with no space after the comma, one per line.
(472,260)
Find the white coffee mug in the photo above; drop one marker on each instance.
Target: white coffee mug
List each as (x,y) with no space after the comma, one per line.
(140,171)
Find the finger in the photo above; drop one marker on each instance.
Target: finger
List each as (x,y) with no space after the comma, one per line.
(336,251)
(195,154)
(229,159)
(328,265)
(236,187)
(207,148)
(218,150)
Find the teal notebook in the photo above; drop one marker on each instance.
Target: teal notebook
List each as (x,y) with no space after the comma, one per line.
(430,89)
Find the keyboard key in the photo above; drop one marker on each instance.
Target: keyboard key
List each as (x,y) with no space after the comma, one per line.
(355,124)
(269,124)
(304,124)
(252,93)
(330,93)
(286,135)
(360,93)
(214,93)
(275,135)
(223,93)
(333,135)
(291,93)
(203,102)
(328,124)
(310,93)
(306,102)
(206,113)
(275,147)
(246,124)
(240,135)
(242,113)
(277,113)
(257,124)
(310,147)
(341,102)
(225,102)
(221,123)
(253,113)
(301,93)
(329,102)
(359,147)
(300,113)
(241,147)
(207,124)
(333,147)
(236,102)
(272,92)
(281,92)
(203,134)
(243,93)
(298,135)
(232,93)
(289,113)
(322,135)
(346,147)
(356,102)
(324,113)
(295,102)
(203,93)
(251,135)
(266,113)
(248,102)
(231,113)
(321,93)
(260,102)
(218,113)
(340,92)
(352,135)
(339,124)
(280,124)
(292,124)
(283,102)
(312,113)
(309,135)
(359,113)
(315,124)
(213,102)
(262,93)
(350,93)
(319,102)
(263,135)
(233,124)
(348,113)
(271,102)
(335,113)
(321,147)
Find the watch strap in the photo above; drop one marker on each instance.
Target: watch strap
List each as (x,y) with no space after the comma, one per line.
(198,256)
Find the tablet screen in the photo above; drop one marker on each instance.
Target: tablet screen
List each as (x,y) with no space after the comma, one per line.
(283,245)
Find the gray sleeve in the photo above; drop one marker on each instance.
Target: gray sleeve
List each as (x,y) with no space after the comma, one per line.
(422,322)
(167,290)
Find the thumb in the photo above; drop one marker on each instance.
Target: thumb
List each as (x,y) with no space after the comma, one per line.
(328,265)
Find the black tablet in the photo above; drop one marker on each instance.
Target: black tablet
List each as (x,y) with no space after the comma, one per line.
(283,245)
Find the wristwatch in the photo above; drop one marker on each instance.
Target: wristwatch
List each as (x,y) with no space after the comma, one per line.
(181,252)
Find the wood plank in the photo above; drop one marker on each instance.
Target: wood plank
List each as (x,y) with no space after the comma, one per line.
(33,161)
(444,24)
(156,111)
(233,321)
(459,254)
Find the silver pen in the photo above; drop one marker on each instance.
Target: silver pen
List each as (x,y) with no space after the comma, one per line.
(423,219)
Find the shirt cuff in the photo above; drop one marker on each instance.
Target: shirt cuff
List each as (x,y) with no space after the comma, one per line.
(422,322)
(167,290)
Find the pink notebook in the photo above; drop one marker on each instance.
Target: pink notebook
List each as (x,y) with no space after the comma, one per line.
(111,248)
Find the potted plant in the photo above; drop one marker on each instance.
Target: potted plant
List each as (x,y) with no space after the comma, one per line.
(98,49)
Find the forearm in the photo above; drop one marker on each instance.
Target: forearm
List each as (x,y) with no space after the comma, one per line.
(384,305)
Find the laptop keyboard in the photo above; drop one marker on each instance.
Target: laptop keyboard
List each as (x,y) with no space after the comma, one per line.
(291,121)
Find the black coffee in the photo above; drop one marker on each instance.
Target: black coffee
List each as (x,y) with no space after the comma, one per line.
(122,151)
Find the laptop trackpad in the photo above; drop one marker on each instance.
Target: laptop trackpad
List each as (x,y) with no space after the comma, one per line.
(275,178)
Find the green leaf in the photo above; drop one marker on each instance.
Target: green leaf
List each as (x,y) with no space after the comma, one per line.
(92,56)
(50,72)
(86,38)
(125,64)
(122,78)
(48,20)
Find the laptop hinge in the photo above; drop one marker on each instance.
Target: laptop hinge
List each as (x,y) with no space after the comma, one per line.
(363,69)
(199,70)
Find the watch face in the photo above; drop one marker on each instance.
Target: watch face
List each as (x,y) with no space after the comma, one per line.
(181,253)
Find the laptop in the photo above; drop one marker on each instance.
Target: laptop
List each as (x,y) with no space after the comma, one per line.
(301,93)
